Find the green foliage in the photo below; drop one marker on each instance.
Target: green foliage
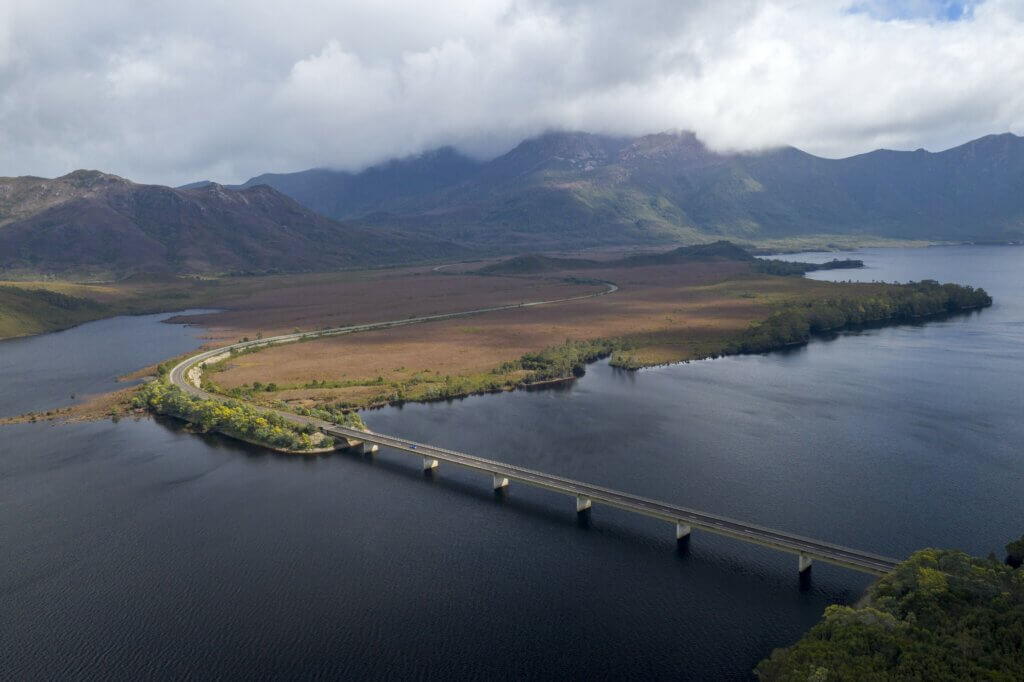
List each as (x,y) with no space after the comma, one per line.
(796,268)
(1015,552)
(336,414)
(794,323)
(563,361)
(229,417)
(941,615)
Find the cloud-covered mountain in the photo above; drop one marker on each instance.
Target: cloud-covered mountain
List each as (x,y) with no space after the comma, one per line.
(89,222)
(575,188)
(152,93)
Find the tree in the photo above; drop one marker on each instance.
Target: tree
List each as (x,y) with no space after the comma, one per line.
(1015,552)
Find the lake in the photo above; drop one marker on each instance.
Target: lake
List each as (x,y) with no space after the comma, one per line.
(137,549)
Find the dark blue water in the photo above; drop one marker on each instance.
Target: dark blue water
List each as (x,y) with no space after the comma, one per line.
(134,549)
(43,372)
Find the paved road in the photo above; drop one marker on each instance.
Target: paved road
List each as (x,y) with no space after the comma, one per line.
(585,493)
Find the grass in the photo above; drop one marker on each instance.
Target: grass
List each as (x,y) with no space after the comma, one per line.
(36,310)
(754,314)
(662,314)
(270,304)
(37,307)
(504,351)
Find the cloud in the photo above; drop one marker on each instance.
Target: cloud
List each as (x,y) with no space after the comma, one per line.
(226,90)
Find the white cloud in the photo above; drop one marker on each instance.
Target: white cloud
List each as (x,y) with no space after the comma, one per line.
(229,89)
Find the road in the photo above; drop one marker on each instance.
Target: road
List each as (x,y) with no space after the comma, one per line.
(585,493)
(178,374)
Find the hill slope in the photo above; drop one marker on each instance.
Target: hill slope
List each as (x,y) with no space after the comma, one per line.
(581,189)
(91,222)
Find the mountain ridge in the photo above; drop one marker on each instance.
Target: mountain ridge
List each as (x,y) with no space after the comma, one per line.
(91,222)
(588,189)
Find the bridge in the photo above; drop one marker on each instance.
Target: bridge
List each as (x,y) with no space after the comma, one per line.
(586,494)
(185,375)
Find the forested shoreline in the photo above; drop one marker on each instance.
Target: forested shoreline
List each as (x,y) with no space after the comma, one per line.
(941,615)
(795,323)
(238,419)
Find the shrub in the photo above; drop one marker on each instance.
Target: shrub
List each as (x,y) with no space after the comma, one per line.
(231,416)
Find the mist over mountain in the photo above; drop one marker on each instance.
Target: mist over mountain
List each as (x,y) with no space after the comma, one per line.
(583,189)
(560,190)
(88,222)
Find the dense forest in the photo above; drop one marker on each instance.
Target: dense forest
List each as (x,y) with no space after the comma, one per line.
(941,615)
(794,323)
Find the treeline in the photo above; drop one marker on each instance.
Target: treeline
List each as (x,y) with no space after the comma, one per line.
(336,414)
(795,323)
(562,361)
(796,268)
(229,417)
(941,615)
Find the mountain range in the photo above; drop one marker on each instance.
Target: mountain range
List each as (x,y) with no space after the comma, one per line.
(556,191)
(564,189)
(93,223)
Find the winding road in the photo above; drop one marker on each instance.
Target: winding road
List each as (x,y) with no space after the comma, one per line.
(502,474)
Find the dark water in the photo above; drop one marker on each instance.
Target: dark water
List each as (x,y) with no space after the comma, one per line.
(42,372)
(134,549)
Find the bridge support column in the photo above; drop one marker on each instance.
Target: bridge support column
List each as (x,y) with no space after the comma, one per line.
(682,536)
(500,482)
(429,463)
(582,504)
(805,563)
(365,448)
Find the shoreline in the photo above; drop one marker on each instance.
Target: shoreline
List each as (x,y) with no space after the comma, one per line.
(816,336)
(81,411)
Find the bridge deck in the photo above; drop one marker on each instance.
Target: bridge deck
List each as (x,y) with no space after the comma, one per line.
(787,542)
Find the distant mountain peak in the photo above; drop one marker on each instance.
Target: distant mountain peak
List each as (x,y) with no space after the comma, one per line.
(671,145)
(573,188)
(97,223)
(92,178)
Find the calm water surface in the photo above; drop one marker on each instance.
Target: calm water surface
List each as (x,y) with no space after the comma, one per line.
(42,372)
(134,549)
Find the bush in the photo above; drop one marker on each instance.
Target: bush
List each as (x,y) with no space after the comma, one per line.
(231,417)
(941,615)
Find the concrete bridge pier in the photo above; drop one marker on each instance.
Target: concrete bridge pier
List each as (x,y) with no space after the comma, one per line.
(582,503)
(683,531)
(429,463)
(365,448)
(500,482)
(805,563)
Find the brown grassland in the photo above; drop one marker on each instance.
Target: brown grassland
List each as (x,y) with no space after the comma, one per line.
(665,313)
(661,314)
(268,305)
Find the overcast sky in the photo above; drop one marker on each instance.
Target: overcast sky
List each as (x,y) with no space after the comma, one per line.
(173,92)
